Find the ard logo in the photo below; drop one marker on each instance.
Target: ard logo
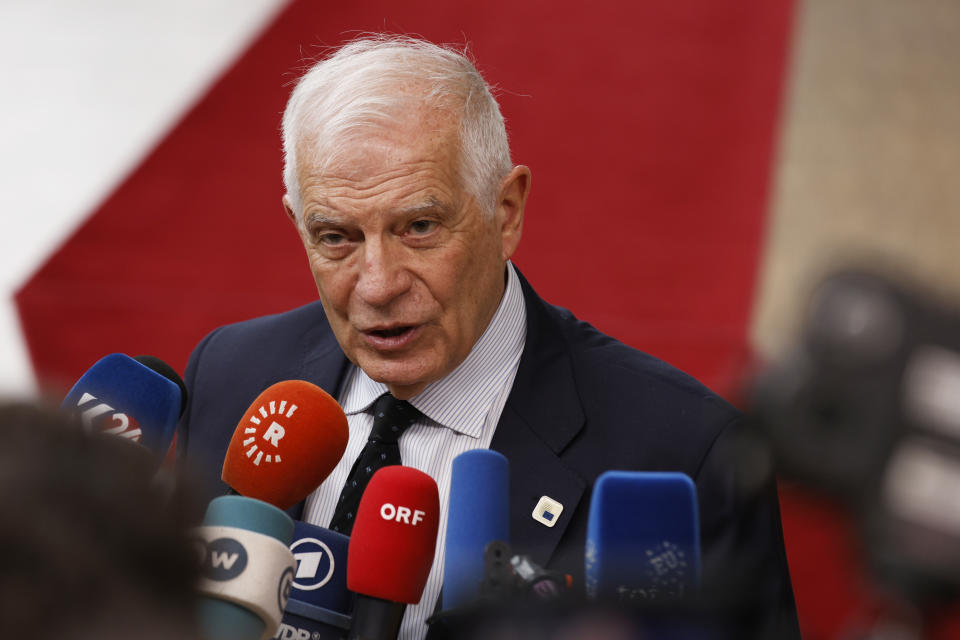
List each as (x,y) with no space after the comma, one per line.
(315,564)
(266,447)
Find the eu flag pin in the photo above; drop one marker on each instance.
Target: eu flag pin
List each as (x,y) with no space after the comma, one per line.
(547,511)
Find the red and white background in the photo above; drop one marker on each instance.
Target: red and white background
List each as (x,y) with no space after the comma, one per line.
(697,165)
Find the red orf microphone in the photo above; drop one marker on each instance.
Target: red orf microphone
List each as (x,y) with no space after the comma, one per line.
(391,549)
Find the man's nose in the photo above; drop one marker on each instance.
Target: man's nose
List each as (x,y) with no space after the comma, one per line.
(383,276)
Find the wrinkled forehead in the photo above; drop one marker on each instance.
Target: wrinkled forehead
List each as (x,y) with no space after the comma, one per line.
(408,132)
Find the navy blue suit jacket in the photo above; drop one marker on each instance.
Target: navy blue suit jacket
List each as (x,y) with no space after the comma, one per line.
(582,403)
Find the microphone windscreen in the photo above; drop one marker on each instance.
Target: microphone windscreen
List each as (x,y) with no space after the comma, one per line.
(319,604)
(247,568)
(286,444)
(394,535)
(120,396)
(321,578)
(643,537)
(478,513)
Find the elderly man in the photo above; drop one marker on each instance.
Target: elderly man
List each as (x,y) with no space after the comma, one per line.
(400,184)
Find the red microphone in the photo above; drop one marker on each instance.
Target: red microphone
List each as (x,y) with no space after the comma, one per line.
(286,444)
(391,549)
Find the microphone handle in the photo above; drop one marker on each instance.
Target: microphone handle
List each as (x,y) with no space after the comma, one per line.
(375,619)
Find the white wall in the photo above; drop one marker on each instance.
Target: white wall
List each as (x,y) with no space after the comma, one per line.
(869,163)
(88,87)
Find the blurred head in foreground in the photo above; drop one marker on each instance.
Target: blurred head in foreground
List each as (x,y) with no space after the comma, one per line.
(90,545)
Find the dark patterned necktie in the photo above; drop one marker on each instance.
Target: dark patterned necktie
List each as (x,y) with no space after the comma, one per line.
(391,417)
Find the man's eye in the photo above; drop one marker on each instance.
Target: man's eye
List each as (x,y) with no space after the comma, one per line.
(420,227)
(331,239)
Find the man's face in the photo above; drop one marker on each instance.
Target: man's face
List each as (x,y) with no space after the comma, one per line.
(409,268)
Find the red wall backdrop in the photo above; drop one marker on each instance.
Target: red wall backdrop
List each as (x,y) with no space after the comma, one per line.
(649,127)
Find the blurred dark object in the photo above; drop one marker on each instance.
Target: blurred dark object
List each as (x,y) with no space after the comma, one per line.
(866,409)
(518,599)
(575,618)
(93,546)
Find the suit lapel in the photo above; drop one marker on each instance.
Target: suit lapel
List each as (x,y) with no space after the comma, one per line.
(542,416)
(323,364)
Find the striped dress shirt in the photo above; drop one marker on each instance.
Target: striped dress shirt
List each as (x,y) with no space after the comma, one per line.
(461,413)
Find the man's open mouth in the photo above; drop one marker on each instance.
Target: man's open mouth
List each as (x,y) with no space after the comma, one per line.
(391,333)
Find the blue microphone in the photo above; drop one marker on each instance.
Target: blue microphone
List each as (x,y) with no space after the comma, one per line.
(643,538)
(478,513)
(121,396)
(320,604)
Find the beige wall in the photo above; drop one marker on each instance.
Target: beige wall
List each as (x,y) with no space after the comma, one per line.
(869,157)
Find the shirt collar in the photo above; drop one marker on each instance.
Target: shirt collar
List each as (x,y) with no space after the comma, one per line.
(461,399)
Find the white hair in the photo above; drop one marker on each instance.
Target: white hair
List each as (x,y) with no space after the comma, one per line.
(362,84)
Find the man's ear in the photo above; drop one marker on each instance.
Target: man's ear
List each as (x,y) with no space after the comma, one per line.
(289,209)
(510,205)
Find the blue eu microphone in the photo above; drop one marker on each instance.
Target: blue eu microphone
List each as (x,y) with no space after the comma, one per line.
(478,513)
(643,538)
(123,397)
(320,604)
